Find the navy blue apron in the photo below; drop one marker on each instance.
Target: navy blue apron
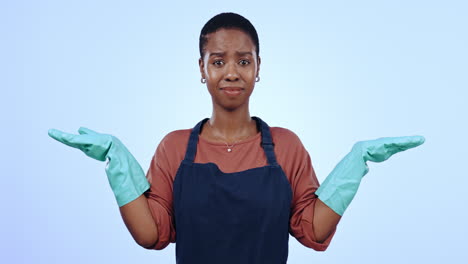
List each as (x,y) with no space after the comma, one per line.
(238,218)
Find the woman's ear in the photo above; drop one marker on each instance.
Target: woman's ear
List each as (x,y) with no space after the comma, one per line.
(201,64)
(258,65)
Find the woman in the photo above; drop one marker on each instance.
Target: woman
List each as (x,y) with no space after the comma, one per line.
(231,189)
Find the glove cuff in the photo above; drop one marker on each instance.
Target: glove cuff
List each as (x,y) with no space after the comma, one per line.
(341,185)
(126,177)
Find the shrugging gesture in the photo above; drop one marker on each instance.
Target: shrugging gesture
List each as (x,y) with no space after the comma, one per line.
(125,175)
(340,186)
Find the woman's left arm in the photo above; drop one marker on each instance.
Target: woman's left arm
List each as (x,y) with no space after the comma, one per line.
(340,186)
(312,223)
(324,222)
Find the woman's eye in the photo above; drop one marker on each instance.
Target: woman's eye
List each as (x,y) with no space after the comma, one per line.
(244,62)
(218,63)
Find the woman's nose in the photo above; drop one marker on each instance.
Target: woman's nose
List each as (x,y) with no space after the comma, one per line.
(231,72)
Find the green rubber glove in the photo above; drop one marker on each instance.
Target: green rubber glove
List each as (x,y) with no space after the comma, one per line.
(340,186)
(125,175)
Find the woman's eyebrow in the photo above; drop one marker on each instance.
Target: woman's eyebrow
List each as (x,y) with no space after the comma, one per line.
(238,53)
(217,54)
(243,53)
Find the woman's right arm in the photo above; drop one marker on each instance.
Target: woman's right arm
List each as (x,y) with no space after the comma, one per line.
(145,202)
(139,221)
(150,218)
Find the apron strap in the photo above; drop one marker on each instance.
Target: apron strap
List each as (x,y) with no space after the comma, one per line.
(267,141)
(193,140)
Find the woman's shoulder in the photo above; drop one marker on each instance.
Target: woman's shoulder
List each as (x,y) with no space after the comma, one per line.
(176,138)
(173,145)
(285,139)
(177,135)
(283,134)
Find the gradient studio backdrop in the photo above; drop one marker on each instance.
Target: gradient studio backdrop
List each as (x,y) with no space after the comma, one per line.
(334,73)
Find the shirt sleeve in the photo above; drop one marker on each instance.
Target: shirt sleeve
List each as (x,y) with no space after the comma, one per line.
(160,196)
(297,165)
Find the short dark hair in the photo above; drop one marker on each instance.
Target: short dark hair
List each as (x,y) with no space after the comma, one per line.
(228,21)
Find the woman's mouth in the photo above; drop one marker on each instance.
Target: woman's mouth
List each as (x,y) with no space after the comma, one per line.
(232,91)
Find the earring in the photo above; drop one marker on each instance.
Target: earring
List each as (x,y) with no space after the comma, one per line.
(257,79)
(203,80)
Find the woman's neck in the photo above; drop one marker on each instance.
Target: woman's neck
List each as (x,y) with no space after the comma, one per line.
(229,126)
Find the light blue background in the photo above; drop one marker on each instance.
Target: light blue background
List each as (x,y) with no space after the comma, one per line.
(334,72)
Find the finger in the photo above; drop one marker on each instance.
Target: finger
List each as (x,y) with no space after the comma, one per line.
(414,141)
(397,144)
(55,134)
(84,130)
(409,141)
(65,138)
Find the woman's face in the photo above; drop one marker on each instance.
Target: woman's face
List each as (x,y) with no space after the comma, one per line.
(229,66)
